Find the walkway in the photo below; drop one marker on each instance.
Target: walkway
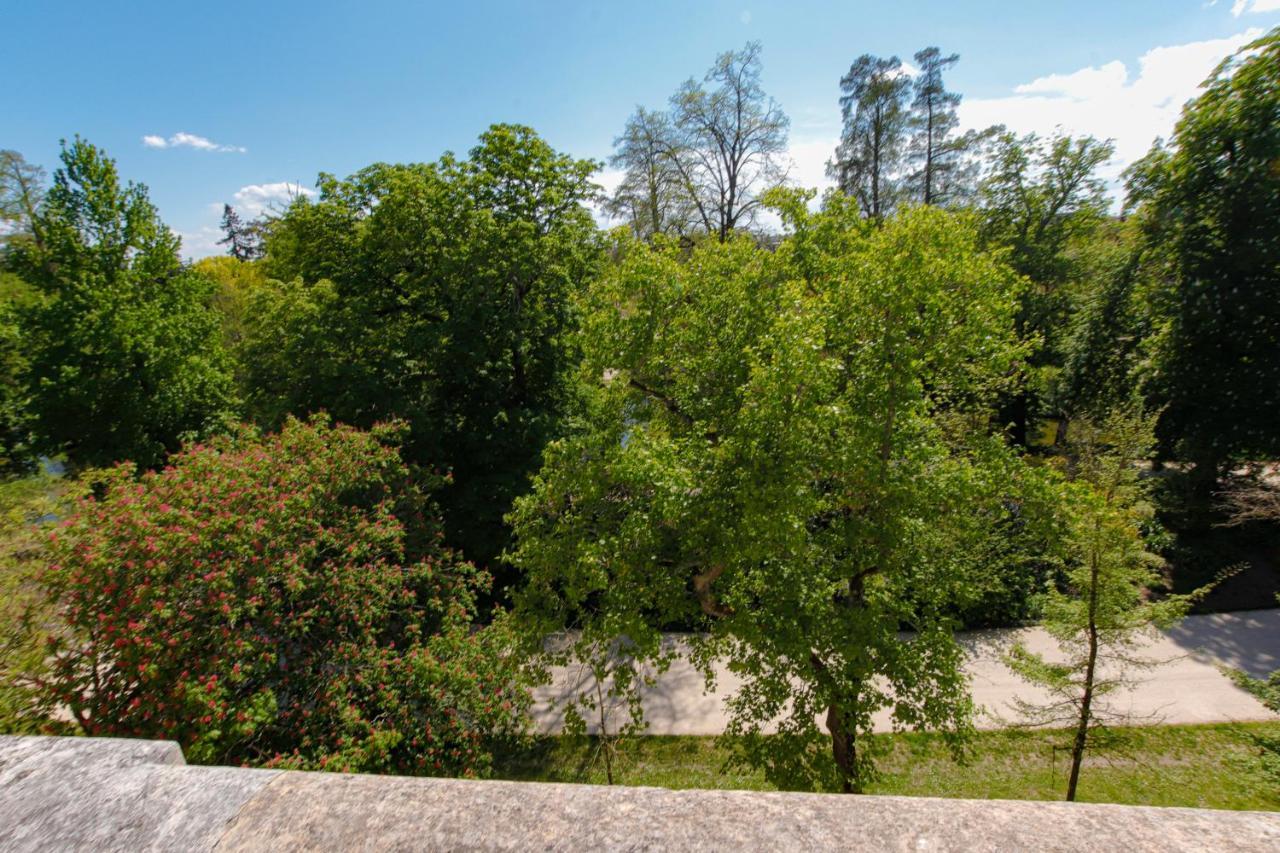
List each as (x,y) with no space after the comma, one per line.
(1188,688)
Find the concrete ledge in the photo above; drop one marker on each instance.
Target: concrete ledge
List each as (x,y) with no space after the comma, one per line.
(81,793)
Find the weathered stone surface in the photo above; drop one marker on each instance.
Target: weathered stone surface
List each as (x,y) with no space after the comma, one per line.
(109,794)
(325,812)
(81,794)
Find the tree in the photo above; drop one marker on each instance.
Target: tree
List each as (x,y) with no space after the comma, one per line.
(1107,318)
(735,138)
(243,241)
(874,109)
(235,284)
(652,197)
(1208,203)
(280,600)
(21,194)
(719,149)
(764,455)
(943,166)
(123,350)
(1040,198)
(290,355)
(17,454)
(1105,610)
(441,294)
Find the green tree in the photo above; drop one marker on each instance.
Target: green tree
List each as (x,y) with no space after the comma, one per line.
(1208,203)
(438,293)
(124,356)
(943,165)
(1104,611)
(242,239)
(704,164)
(1041,198)
(21,194)
(17,456)
(290,357)
(653,196)
(1101,349)
(768,452)
(869,159)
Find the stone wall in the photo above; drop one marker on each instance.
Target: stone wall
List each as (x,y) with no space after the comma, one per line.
(107,794)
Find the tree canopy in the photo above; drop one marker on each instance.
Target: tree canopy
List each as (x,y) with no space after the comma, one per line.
(440,293)
(1208,203)
(770,445)
(124,357)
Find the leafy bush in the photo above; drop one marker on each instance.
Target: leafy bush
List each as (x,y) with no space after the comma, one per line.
(1267,692)
(281,600)
(26,617)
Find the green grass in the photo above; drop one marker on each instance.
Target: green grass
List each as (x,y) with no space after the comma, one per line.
(1211,766)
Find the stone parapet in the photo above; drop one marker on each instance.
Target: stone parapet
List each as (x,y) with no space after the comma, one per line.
(109,794)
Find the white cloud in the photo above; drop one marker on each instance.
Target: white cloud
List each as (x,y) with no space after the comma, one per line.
(1109,101)
(182,139)
(745,17)
(202,242)
(1242,6)
(809,158)
(1085,83)
(256,199)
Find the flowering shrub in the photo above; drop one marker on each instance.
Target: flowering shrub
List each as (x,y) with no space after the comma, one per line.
(281,600)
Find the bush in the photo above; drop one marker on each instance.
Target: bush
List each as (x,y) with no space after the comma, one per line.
(281,600)
(27,504)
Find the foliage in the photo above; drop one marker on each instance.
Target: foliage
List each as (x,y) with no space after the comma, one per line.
(869,158)
(1208,203)
(706,164)
(1105,610)
(123,353)
(280,600)
(767,446)
(438,293)
(21,194)
(943,165)
(899,142)
(289,356)
(17,457)
(1100,344)
(1267,692)
(605,696)
(653,196)
(1041,198)
(26,617)
(235,282)
(243,240)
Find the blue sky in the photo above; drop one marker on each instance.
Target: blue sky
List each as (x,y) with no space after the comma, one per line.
(241,98)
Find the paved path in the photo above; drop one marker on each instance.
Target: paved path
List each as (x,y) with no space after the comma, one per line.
(1188,688)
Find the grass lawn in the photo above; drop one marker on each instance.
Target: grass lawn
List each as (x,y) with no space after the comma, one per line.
(1208,766)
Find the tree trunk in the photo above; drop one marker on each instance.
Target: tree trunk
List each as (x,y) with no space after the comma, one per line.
(606,744)
(1061,431)
(1086,701)
(844,748)
(1020,416)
